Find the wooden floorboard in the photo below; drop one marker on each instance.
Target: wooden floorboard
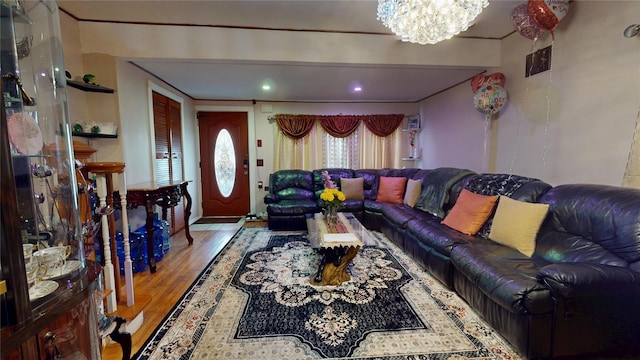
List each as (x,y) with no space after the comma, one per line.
(175,273)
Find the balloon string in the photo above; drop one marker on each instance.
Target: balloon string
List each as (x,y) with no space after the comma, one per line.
(487,130)
(546,124)
(516,150)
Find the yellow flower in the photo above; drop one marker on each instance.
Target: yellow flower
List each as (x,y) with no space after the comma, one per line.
(334,197)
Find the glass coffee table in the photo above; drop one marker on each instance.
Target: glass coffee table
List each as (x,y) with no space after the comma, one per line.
(337,245)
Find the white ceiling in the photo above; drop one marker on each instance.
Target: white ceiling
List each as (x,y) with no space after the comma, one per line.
(236,80)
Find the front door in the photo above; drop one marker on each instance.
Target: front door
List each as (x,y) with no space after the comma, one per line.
(224,155)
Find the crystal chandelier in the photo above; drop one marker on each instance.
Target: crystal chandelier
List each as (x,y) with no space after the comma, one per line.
(429,21)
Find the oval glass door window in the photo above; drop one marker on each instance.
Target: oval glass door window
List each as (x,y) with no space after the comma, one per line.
(224,163)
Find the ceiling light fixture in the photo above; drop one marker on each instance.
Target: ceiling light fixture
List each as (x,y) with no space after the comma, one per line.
(429,21)
(266,87)
(357,89)
(632,30)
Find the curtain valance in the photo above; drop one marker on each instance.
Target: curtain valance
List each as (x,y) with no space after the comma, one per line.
(298,126)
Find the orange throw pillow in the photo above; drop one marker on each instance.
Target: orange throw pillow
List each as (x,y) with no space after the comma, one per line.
(391,189)
(470,212)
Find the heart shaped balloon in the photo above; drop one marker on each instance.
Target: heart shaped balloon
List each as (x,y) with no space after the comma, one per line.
(524,24)
(547,14)
(480,80)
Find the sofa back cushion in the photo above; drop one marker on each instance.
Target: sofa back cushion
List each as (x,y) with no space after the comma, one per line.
(470,212)
(606,215)
(516,224)
(514,186)
(412,192)
(391,189)
(370,182)
(352,188)
(291,184)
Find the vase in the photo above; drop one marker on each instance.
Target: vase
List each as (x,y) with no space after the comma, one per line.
(332,215)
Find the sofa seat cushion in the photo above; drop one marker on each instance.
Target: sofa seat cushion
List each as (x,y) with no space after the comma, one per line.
(373,206)
(352,206)
(427,229)
(398,215)
(558,246)
(504,275)
(293,207)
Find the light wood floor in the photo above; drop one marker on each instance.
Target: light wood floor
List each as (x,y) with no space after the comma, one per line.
(175,273)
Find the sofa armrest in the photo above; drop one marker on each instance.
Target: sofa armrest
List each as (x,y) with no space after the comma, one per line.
(270,198)
(575,280)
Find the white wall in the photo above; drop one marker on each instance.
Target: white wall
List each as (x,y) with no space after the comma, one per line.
(137,132)
(592,94)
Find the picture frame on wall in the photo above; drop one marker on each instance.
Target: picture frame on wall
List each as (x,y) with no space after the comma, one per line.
(413,122)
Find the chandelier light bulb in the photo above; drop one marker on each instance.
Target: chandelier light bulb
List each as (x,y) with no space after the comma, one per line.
(429,21)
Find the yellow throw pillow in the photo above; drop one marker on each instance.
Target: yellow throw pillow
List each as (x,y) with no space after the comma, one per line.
(516,224)
(353,189)
(411,195)
(391,189)
(470,212)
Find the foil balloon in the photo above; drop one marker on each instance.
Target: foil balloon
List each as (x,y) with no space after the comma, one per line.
(480,80)
(547,14)
(524,24)
(490,99)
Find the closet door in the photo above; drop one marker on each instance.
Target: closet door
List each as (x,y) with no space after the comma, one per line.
(167,120)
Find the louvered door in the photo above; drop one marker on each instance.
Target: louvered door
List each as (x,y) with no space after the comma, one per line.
(168,157)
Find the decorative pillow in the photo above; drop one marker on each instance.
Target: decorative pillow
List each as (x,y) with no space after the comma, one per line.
(353,189)
(414,187)
(516,224)
(391,189)
(470,212)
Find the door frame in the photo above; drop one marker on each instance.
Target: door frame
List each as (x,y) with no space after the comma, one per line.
(251,129)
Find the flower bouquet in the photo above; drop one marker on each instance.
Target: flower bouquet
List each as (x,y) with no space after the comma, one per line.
(332,198)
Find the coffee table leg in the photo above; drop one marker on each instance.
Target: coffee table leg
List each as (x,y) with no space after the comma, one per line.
(323,262)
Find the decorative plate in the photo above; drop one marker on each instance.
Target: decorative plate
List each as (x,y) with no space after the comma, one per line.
(69,266)
(24,134)
(42,289)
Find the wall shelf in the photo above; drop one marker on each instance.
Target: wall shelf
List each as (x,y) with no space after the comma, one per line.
(91,135)
(89,87)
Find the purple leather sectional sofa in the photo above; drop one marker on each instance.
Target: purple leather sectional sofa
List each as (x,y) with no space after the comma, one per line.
(578,295)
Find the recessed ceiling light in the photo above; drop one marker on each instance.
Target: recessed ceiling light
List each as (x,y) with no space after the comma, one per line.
(266,87)
(357,89)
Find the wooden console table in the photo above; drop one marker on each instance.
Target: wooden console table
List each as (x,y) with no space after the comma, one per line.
(164,194)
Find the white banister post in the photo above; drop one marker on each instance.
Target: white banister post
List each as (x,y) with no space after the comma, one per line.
(109,278)
(128,264)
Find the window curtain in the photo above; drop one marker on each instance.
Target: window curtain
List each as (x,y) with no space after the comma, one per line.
(301,153)
(351,141)
(377,152)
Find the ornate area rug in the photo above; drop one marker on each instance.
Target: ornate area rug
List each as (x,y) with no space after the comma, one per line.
(254,301)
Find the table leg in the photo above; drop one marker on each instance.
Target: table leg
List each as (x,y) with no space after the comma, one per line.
(187,212)
(333,266)
(149,225)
